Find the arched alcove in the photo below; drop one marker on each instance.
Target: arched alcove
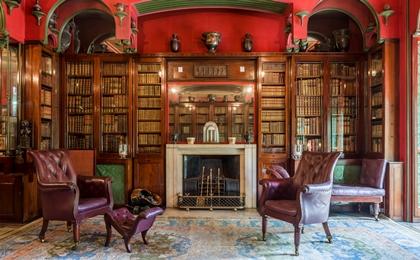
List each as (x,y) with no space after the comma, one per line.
(324,24)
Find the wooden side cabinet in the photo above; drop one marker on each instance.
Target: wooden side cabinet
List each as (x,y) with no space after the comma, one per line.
(149,174)
(394,186)
(18,197)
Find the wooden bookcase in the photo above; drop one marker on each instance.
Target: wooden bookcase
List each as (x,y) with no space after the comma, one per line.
(382,101)
(273,113)
(326,105)
(149,125)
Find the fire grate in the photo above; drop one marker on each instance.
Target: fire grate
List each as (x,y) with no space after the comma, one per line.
(211,202)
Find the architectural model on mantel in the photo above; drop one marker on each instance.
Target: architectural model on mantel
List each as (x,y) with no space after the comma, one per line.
(210,132)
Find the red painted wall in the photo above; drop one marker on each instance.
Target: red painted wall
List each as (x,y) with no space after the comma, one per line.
(15,22)
(155,31)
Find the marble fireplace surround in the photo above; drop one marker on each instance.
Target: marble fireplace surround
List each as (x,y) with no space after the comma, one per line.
(248,168)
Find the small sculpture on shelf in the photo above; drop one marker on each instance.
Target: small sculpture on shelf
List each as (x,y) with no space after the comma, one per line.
(25,134)
(122,149)
(247,43)
(175,43)
(341,39)
(211,40)
(248,137)
(175,137)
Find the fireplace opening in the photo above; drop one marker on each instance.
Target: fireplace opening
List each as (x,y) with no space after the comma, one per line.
(211,181)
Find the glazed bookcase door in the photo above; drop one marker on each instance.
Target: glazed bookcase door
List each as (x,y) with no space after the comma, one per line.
(149,107)
(343,100)
(273,103)
(114,106)
(46,101)
(79,105)
(309,110)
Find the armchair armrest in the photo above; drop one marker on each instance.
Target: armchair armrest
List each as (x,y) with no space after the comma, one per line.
(314,200)
(272,189)
(59,200)
(317,188)
(95,187)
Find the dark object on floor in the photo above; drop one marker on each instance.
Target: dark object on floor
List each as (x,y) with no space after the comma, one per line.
(142,197)
(304,198)
(370,189)
(128,224)
(67,196)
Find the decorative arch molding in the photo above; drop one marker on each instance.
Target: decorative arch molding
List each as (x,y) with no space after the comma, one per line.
(78,10)
(4,35)
(69,19)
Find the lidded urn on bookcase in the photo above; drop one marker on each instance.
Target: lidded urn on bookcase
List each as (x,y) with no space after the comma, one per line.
(175,43)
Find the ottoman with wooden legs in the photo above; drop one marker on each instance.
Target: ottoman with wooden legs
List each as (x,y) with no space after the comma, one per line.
(129,225)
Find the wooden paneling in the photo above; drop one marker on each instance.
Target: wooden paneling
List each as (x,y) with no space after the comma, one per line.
(394,198)
(83,161)
(149,174)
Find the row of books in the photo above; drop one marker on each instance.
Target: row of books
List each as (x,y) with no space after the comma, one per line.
(220,110)
(308,106)
(343,125)
(202,110)
(148,114)
(202,118)
(80,142)
(80,104)
(238,119)
(47,79)
(309,69)
(148,126)
(148,91)
(268,91)
(148,78)
(149,149)
(148,102)
(377,145)
(309,87)
(114,123)
(46,97)
(376,68)
(313,145)
(273,127)
(46,112)
(273,103)
(339,69)
(118,102)
(273,115)
(185,119)
(79,68)
(149,139)
(377,113)
(343,111)
(274,78)
(308,126)
(345,105)
(46,129)
(110,143)
(343,87)
(377,99)
(274,66)
(343,143)
(79,86)
(80,124)
(45,144)
(220,120)
(114,85)
(274,139)
(46,64)
(377,130)
(238,129)
(148,67)
(114,68)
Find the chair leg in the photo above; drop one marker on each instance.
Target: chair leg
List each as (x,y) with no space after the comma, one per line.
(264,227)
(303,229)
(143,235)
(297,239)
(68,224)
(43,230)
(76,233)
(376,211)
(127,244)
(108,233)
(327,231)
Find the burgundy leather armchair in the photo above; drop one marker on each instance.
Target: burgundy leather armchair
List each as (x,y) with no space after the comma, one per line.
(302,199)
(67,196)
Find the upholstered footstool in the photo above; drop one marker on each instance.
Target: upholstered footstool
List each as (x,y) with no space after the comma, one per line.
(128,224)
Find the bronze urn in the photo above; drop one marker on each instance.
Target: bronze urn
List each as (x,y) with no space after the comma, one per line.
(211,40)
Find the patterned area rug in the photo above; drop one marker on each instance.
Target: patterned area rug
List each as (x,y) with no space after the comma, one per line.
(210,238)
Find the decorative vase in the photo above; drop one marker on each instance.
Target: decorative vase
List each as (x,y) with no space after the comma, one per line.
(175,43)
(341,39)
(211,40)
(247,43)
